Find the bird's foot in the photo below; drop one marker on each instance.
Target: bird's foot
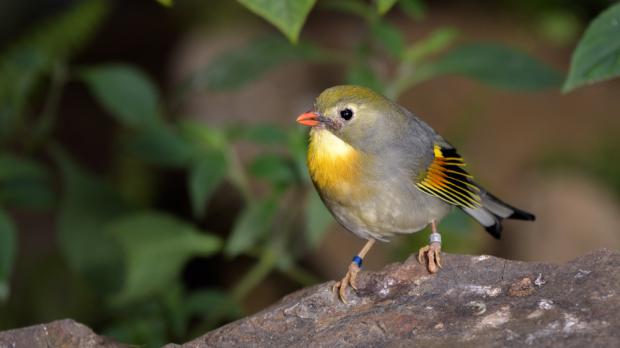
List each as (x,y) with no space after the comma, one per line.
(350,279)
(432,253)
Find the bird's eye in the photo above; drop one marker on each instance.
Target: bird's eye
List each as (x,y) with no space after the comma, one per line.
(346,114)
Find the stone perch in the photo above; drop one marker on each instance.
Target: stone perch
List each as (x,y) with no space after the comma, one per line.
(474,301)
(61,333)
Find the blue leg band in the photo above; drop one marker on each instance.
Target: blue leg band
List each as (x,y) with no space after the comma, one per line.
(358,261)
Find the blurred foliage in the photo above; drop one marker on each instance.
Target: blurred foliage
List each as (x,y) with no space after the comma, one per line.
(287,15)
(156,247)
(497,65)
(126,254)
(166,3)
(86,205)
(45,48)
(597,55)
(126,93)
(560,27)
(24,183)
(7,253)
(234,69)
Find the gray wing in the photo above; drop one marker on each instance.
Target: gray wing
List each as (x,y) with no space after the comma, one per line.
(445,178)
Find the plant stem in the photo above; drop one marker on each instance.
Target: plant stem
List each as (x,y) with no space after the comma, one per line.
(238,175)
(300,275)
(45,123)
(407,76)
(266,263)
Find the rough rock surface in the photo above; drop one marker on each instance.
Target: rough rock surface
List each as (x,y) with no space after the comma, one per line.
(61,333)
(474,301)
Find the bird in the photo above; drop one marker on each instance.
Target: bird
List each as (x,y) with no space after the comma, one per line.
(382,171)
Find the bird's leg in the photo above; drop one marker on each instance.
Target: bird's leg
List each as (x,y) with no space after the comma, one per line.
(351,277)
(432,250)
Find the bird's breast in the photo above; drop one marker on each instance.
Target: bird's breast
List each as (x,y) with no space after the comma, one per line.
(335,166)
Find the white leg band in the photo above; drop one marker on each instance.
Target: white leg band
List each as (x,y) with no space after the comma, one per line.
(435,238)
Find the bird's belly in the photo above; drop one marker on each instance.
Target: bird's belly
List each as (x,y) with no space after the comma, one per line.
(365,195)
(389,207)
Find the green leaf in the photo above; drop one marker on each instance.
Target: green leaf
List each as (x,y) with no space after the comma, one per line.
(205,176)
(287,15)
(235,68)
(167,3)
(52,41)
(204,136)
(356,7)
(383,6)
(162,145)
(24,183)
(597,56)
(497,65)
(87,204)
(8,250)
(250,226)
(318,218)
(390,37)
(415,9)
(125,92)
(434,43)
(155,247)
(276,169)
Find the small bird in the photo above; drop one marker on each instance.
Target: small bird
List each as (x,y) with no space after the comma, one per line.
(381,171)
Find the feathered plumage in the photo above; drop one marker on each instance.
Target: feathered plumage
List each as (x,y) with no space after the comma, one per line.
(381,171)
(447,180)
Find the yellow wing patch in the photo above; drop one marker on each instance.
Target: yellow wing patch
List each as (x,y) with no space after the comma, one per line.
(446,179)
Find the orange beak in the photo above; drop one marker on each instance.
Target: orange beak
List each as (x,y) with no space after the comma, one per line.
(308,119)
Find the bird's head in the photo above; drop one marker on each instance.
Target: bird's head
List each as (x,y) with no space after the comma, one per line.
(357,115)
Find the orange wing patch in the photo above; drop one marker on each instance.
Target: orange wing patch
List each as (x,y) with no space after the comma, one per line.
(446,179)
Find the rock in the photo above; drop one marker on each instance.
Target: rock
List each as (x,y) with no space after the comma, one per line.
(474,301)
(523,287)
(479,301)
(61,333)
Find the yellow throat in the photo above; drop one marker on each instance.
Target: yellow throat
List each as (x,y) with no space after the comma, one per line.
(333,164)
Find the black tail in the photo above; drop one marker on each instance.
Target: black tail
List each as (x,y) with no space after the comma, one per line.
(493,211)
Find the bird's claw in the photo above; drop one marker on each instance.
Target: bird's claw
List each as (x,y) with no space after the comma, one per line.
(349,279)
(431,252)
